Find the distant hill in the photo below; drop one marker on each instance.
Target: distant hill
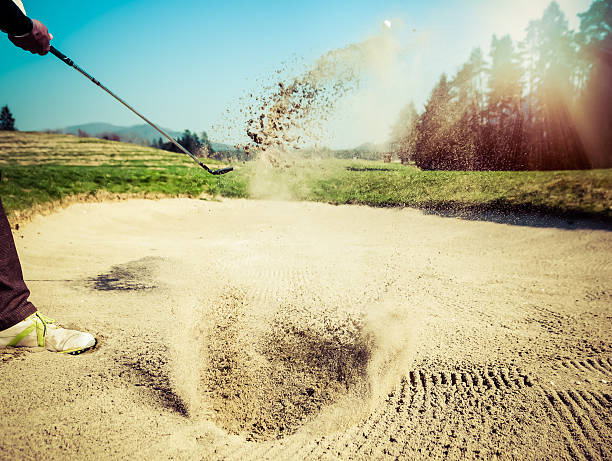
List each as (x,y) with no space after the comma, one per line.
(145,134)
(139,134)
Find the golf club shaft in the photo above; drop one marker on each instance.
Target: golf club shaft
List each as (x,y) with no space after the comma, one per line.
(71,63)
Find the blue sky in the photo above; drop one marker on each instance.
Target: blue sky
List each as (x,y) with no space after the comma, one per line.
(182,63)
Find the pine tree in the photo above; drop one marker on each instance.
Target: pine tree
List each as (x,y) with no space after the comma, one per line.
(468,102)
(7,121)
(191,142)
(504,98)
(553,139)
(434,129)
(595,104)
(404,133)
(544,107)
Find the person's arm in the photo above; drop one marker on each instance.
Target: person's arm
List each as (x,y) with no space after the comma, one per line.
(12,20)
(26,33)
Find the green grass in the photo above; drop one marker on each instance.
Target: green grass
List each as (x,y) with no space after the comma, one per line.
(23,187)
(563,192)
(38,168)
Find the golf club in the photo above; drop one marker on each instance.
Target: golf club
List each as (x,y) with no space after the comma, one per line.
(71,63)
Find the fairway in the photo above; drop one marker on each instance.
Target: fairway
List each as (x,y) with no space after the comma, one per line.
(289,330)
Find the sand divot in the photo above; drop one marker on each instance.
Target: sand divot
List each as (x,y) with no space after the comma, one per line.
(388,332)
(267,368)
(265,372)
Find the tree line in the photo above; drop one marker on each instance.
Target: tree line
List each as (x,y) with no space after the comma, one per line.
(541,104)
(199,146)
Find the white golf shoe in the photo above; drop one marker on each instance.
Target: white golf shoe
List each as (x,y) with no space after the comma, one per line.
(39,330)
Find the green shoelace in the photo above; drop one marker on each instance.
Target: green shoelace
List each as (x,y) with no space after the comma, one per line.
(40,323)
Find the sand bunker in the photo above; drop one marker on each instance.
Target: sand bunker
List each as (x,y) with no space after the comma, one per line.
(271,330)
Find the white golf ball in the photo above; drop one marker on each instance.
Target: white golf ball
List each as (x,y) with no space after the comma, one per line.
(387,23)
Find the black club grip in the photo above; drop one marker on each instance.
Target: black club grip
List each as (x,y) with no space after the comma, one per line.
(62,56)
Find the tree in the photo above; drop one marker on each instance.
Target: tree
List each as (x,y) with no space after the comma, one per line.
(504,97)
(157,143)
(542,107)
(191,142)
(595,24)
(594,109)
(468,101)
(434,136)
(188,140)
(404,133)
(7,121)
(553,139)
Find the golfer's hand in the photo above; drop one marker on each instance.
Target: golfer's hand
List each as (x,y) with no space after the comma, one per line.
(37,41)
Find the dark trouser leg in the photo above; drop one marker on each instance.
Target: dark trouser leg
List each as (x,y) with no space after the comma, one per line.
(14,304)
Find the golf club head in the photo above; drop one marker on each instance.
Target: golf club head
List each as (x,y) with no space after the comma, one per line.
(222,170)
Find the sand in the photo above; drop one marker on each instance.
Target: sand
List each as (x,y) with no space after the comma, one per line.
(285,330)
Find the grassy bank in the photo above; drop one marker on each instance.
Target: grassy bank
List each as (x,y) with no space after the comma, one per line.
(40,168)
(24,187)
(586,193)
